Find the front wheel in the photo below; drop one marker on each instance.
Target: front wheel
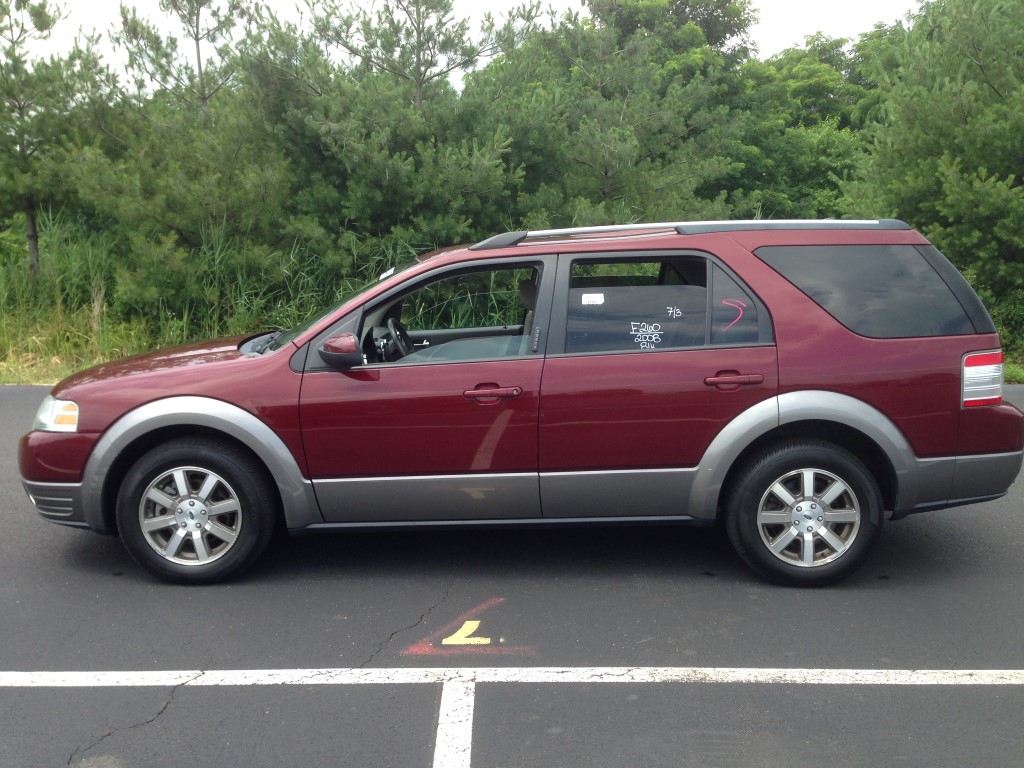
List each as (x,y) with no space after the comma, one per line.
(804,513)
(195,511)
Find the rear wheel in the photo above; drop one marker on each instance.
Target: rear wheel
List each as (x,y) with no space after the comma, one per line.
(804,513)
(196,510)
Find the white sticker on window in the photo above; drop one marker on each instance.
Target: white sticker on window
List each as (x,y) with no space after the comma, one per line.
(387,274)
(590,299)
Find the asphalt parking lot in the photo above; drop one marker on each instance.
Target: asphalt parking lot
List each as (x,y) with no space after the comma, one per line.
(647,646)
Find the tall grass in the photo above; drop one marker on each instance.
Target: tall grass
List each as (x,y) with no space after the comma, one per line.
(98,297)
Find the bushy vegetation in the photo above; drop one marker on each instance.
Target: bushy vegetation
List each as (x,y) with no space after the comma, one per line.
(249,171)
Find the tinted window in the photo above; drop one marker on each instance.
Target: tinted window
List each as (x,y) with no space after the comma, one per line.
(881,291)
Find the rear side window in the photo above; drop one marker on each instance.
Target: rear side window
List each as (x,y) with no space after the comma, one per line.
(879,291)
(664,303)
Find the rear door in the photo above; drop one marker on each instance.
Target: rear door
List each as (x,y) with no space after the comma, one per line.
(650,356)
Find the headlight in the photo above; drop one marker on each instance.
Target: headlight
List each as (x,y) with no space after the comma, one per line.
(56,416)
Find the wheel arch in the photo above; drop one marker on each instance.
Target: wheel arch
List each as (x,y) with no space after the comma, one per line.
(830,416)
(855,442)
(149,425)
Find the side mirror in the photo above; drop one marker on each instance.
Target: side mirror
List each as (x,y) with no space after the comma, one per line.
(342,352)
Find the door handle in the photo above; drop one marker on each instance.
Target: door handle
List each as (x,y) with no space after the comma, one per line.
(491,393)
(730,379)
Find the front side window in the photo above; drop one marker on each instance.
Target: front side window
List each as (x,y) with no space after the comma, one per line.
(488,299)
(466,315)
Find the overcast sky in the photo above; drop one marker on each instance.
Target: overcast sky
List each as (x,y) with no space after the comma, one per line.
(783,23)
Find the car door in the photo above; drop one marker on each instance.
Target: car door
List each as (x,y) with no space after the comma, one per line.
(649,358)
(449,430)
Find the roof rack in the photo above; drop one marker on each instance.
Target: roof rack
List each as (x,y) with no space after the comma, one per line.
(509,239)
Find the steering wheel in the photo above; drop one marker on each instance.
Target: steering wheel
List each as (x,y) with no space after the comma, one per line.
(400,337)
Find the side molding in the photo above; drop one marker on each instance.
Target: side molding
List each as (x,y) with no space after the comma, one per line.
(297,497)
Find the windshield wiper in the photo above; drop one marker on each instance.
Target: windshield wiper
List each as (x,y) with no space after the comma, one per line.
(261,346)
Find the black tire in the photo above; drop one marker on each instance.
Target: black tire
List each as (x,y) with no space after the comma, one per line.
(804,513)
(196,511)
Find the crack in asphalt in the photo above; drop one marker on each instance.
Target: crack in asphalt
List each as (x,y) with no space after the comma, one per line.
(154,718)
(420,620)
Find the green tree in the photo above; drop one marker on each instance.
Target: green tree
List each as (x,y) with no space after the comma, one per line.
(724,23)
(612,120)
(196,185)
(818,81)
(294,89)
(416,41)
(194,76)
(43,102)
(798,113)
(948,157)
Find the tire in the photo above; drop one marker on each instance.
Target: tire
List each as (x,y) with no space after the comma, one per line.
(804,513)
(196,511)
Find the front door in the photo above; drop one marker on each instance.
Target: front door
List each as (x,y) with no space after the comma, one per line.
(441,423)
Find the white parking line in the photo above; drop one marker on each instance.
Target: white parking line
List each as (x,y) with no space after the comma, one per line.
(426,675)
(453,744)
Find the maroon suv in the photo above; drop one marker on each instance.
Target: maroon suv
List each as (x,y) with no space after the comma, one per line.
(801,380)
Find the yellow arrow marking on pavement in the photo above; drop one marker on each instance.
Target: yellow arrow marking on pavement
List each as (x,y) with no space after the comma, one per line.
(464,635)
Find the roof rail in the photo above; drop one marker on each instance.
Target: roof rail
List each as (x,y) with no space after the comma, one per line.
(509,239)
(701,227)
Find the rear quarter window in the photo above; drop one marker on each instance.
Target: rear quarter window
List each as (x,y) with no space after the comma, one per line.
(882,291)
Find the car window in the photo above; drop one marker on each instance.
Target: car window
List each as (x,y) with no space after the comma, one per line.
(466,315)
(484,299)
(637,305)
(734,313)
(879,291)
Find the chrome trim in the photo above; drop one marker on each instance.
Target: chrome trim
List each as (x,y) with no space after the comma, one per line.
(616,493)
(428,497)
(531,522)
(297,497)
(510,239)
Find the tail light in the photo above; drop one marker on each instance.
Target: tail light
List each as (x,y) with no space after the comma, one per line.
(983,379)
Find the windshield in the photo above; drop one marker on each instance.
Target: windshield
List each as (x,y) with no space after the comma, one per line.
(286,337)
